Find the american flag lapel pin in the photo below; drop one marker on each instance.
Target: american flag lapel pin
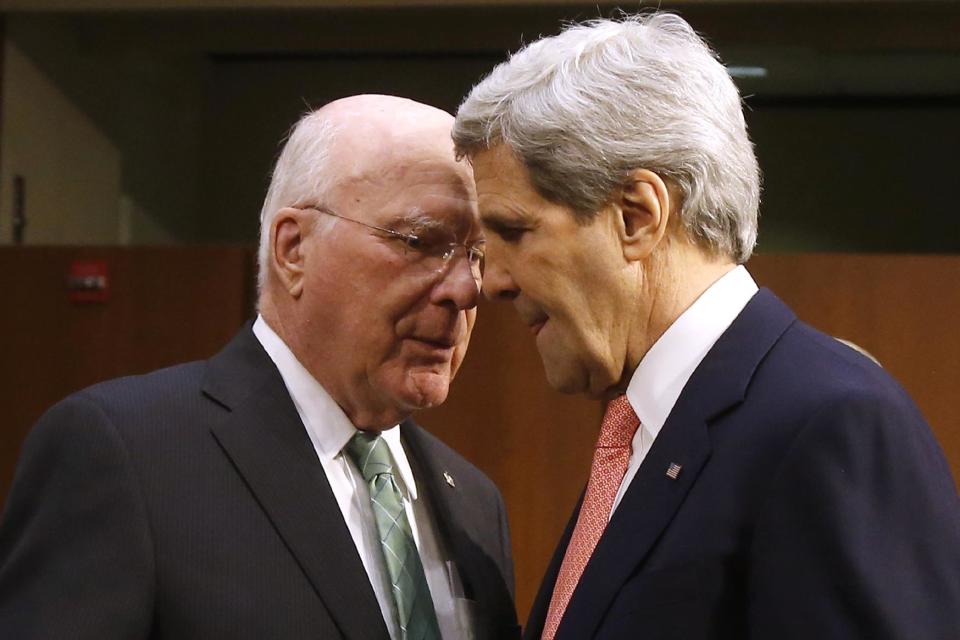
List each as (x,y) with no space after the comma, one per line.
(674,470)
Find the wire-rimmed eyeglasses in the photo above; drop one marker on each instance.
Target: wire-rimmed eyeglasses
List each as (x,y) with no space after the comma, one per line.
(434,254)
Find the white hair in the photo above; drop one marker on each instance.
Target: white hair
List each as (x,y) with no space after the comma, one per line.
(584,108)
(301,176)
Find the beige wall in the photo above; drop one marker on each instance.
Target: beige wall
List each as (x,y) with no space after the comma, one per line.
(145,95)
(71,169)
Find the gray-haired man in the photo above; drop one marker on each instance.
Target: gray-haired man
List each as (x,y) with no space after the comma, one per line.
(753,478)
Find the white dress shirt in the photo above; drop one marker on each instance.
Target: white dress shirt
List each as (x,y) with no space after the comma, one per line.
(664,371)
(330,430)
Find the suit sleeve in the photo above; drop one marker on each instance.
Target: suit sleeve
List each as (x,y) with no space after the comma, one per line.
(76,558)
(860,536)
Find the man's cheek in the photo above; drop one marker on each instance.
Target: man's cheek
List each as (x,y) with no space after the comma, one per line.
(471,320)
(458,355)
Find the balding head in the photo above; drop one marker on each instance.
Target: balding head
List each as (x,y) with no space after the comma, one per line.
(369,125)
(345,141)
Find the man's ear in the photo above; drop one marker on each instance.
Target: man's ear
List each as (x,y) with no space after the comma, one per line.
(644,209)
(288,233)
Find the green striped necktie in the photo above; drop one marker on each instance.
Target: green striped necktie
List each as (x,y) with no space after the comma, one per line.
(413,605)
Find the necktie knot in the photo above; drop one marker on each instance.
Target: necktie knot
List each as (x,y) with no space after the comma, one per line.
(370,453)
(619,425)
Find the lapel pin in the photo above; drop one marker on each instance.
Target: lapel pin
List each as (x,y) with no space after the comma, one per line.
(674,470)
(449,479)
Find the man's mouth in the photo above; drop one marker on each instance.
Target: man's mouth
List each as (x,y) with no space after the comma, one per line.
(442,342)
(531,315)
(536,326)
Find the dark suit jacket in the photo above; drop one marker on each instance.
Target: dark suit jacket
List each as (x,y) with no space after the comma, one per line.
(813,502)
(190,503)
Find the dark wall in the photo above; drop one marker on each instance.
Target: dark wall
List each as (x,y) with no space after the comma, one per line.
(856,123)
(253,102)
(871,174)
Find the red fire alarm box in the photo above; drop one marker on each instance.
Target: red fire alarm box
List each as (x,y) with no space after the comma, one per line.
(88,281)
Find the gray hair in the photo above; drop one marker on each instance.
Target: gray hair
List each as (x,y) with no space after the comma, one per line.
(301,176)
(584,108)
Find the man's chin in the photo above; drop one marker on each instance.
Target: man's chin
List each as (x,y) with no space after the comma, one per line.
(565,385)
(563,377)
(425,389)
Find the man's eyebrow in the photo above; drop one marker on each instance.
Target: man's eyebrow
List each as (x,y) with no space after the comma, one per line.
(497,219)
(417,219)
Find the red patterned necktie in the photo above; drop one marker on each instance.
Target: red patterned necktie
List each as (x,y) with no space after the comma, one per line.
(609,466)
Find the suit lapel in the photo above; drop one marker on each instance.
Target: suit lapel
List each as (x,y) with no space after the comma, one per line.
(481,577)
(646,509)
(648,506)
(265,439)
(446,501)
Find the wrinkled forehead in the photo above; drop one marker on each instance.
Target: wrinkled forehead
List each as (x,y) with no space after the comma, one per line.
(405,184)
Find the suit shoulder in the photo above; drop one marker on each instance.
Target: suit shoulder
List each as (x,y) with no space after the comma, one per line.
(123,403)
(160,390)
(812,388)
(819,367)
(839,400)
(159,383)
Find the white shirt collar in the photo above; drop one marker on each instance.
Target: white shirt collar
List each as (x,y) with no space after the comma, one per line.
(665,369)
(327,425)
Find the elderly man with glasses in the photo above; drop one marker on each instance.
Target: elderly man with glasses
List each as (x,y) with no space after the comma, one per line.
(280,490)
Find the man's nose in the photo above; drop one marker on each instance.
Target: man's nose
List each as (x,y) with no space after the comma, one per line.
(498,284)
(460,283)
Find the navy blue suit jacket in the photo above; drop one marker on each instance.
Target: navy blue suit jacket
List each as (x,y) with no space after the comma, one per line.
(190,504)
(813,502)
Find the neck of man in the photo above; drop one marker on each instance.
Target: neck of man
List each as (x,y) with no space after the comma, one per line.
(672,282)
(364,415)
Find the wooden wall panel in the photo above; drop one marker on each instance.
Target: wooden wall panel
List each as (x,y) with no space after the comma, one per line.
(166,305)
(175,304)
